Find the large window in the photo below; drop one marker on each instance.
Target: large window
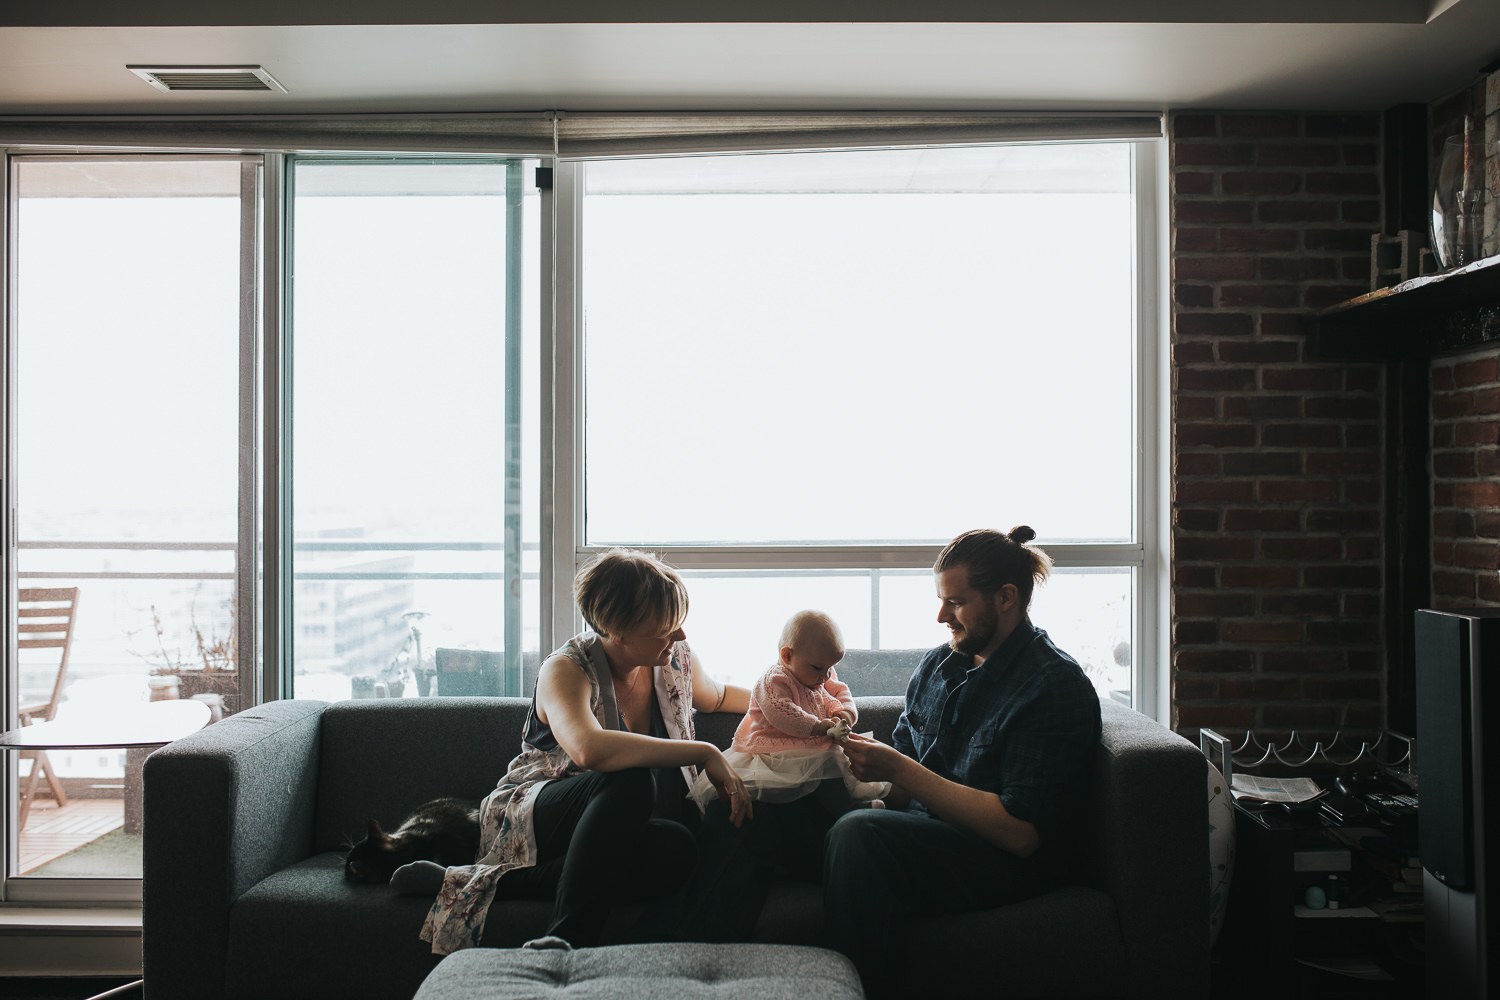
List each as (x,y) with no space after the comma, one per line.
(803,373)
(330,426)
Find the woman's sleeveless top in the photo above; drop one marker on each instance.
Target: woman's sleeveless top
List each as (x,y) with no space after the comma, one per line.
(507,837)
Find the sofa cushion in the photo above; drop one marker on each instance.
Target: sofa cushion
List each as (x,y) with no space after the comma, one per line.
(293,914)
(1019,938)
(680,971)
(284,925)
(1016,949)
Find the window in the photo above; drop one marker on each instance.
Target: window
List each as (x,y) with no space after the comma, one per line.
(414,452)
(803,373)
(128,386)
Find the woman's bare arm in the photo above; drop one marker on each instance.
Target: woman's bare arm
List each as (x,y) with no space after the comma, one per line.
(562,701)
(709,695)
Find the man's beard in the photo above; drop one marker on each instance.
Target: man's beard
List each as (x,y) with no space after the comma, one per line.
(974,640)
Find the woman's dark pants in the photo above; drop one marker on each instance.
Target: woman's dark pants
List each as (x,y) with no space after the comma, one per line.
(598,844)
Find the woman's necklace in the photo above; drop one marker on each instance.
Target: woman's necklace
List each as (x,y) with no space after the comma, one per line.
(628,692)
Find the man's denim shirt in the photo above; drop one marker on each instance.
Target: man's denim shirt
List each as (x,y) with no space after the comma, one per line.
(1024,725)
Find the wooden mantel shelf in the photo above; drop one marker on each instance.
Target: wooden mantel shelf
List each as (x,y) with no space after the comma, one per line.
(1437,314)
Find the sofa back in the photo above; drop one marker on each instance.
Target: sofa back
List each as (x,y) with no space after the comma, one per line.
(380,758)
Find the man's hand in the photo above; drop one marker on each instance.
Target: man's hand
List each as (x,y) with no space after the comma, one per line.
(871,760)
(979,812)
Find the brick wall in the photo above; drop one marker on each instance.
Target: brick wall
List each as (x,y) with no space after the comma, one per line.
(1277,460)
(1466,481)
(1465,433)
(1446,117)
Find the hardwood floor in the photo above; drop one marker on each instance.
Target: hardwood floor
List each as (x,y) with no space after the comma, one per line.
(52,832)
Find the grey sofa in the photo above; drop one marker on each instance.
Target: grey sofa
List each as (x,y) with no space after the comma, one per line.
(246,823)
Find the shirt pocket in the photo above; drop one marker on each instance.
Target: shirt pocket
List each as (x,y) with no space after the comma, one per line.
(923,723)
(981,757)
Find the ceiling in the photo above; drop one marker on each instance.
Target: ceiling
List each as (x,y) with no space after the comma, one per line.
(611,55)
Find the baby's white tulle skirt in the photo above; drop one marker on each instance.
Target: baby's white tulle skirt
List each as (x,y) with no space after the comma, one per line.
(789,774)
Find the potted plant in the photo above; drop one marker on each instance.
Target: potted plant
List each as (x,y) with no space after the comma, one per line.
(212,668)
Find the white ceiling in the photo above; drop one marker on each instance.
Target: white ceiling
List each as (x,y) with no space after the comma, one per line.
(1025,64)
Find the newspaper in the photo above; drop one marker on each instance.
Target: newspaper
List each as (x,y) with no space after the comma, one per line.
(1247,786)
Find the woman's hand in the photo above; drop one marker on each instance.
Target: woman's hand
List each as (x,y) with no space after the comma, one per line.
(729,785)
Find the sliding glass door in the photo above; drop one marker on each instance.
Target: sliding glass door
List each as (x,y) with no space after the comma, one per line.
(132,387)
(152,429)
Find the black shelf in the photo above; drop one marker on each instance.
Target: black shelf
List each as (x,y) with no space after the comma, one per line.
(1445,313)
(1268,949)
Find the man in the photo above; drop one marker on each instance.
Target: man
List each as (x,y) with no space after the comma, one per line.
(991,756)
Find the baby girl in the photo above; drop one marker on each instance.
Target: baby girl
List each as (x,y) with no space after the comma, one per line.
(785,746)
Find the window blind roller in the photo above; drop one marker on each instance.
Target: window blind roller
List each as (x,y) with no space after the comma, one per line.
(525,134)
(586,135)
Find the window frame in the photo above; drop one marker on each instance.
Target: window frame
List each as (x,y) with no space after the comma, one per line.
(564,551)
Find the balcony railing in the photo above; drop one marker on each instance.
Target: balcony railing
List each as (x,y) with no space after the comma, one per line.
(883,666)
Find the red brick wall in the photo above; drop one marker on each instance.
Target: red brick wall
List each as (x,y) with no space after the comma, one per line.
(1277,460)
(1466,481)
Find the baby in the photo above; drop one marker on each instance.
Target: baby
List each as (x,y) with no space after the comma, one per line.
(785,746)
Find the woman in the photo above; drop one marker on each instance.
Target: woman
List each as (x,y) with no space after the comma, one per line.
(598,794)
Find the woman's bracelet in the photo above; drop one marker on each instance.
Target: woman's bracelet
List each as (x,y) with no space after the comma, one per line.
(723,690)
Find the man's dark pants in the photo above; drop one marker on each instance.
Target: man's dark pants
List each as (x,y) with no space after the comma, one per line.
(881,866)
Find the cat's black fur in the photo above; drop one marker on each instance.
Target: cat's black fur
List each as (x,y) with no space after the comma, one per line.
(444,830)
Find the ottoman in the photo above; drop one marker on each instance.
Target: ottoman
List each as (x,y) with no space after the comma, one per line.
(676,971)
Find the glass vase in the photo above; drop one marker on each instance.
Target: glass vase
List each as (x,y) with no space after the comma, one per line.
(1458,197)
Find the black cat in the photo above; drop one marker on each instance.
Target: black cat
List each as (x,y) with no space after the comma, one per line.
(444,830)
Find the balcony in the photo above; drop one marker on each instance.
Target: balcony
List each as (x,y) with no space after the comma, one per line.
(158,620)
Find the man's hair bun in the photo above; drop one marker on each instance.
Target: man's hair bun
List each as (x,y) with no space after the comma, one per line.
(994,560)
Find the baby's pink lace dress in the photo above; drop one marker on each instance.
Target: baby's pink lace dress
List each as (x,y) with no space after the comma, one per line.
(783,712)
(774,749)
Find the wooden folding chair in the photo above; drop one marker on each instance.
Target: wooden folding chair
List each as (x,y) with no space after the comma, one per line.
(45,617)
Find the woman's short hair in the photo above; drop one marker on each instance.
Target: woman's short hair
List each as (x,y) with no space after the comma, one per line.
(994,559)
(625,590)
(805,625)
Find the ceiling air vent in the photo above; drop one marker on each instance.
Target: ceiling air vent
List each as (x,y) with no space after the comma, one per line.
(172,79)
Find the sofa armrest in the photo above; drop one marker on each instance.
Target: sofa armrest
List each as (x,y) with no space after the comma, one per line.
(224,808)
(1153,850)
